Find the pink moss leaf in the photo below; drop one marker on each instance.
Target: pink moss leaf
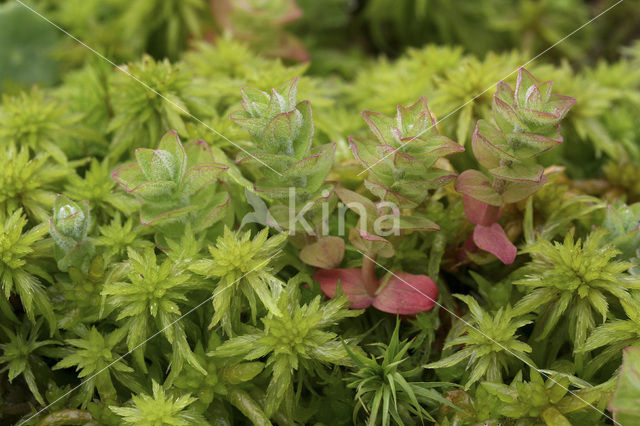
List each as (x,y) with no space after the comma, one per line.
(480,213)
(350,280)
(407,294)
(494,240)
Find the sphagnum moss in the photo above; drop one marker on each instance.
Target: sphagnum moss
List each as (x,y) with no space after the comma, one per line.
(183,282)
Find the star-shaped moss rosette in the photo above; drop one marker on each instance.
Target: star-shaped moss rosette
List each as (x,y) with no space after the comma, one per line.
(526,125)
(401,158)
(540,401)
(69,227)
(175,181)
(400,293)
(224,379)
(282,131)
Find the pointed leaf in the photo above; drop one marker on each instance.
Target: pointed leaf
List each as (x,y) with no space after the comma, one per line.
(559,105)
(380,125)
(524,82)
(281,131)
(128,176)
(197,152)
(483,144)
(364,150)
(553,417)
(359,204)
(170,142)
(313,168)
(415,119)
(302,141)
(505,116)
(414,223)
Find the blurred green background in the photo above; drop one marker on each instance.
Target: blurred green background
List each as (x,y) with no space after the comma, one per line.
(337,36)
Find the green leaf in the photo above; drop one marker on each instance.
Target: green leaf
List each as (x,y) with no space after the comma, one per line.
(624,403)
(279,385)
(451,360)
(464,123)
(200,175)
(553,417)
(478,186)
(370,243)
(27,43)
(518,191)
(246,345)
(248,406)
(242,372)
(519,172)
(359,204)
(506,393)
(281,131)
(326,253)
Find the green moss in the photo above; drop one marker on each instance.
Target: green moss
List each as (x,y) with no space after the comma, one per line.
(170,292)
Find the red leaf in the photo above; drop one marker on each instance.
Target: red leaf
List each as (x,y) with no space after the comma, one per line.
(407,294)
(480,213)
(350,280)
(494,240)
